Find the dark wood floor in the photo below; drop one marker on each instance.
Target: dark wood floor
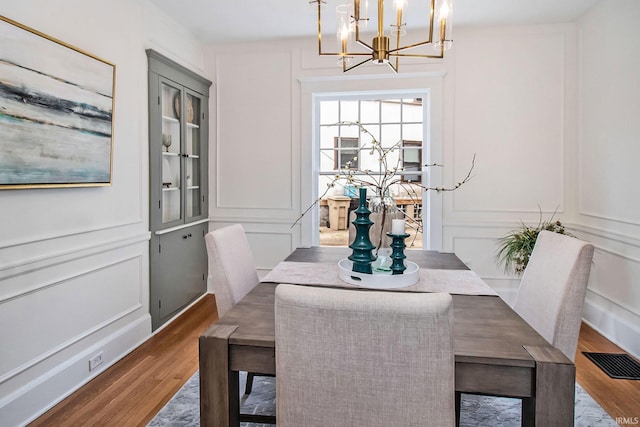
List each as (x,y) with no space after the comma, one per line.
(132,391)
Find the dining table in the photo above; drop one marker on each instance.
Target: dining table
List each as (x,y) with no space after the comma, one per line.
(496,352)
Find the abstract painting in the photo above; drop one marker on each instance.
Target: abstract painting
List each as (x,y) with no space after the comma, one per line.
(56,112)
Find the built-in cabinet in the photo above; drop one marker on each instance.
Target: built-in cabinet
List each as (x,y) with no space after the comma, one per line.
(178,171)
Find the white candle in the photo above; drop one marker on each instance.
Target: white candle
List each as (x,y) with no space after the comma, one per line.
(397,226)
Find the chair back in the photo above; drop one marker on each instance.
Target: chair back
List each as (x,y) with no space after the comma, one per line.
(360,358)
(231,266)
(553,287)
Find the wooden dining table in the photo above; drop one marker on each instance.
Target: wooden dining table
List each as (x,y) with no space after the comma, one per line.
(496,352)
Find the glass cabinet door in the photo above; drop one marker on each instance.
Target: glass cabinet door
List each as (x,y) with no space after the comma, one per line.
(192,156)
(171,107)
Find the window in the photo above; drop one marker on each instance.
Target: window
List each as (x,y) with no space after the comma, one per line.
(346,153)
(390,121)
(411,160)
(394,122)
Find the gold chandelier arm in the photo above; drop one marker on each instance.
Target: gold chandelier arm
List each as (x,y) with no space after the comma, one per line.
(409,46)
(345,68)
(431,16)
(319,28)
(395,69)
(398,33)
(363,44)
(378,50)
(420,55)
(345,54)
(380,18)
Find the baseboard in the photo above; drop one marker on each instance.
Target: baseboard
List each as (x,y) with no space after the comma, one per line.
(33,399)
(617,324)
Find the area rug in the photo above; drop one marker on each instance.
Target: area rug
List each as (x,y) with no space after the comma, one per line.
(183,410)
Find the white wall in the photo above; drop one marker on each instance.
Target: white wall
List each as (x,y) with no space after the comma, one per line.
(608,197)
(74,261)
(512,102)
(510,94)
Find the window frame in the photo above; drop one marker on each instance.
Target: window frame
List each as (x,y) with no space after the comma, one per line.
(429,86)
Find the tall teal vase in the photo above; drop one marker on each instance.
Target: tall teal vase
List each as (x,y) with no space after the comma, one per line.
(362,255)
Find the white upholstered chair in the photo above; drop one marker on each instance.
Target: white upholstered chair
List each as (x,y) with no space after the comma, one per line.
(552,291)
(553,287)
(232,269)
(373,358)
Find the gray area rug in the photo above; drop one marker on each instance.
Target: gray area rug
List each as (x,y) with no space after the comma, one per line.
(183,410)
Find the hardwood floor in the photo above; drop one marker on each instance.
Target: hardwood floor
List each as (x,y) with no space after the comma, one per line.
(620,398)
(132,391)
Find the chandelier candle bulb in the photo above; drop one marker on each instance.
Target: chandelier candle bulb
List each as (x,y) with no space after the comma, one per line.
(397,226)
(353,13)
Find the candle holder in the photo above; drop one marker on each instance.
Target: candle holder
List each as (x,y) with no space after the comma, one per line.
(362,255)
(397,255)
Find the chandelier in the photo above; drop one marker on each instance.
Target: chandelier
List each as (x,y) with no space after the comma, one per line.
(352,19)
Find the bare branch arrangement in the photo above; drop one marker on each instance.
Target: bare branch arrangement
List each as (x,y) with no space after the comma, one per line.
(387,175)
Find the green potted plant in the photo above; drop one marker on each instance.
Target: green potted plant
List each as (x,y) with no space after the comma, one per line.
(514,248)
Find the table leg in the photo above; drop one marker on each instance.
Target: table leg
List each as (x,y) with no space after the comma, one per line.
(219,389)
(554,403)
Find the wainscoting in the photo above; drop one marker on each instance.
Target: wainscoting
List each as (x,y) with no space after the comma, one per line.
(66,306)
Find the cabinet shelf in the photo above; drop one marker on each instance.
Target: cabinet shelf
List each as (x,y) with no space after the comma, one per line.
(170,119)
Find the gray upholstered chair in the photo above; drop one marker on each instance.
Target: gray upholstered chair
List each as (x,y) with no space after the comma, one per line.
(373,358)
(553,287)
(552,292)
(232,270)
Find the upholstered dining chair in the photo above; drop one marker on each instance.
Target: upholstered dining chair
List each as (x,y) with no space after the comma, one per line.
(552,292)
(232,269)
(374,358)
(553,288)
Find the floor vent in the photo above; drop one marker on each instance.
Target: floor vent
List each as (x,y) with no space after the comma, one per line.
(619,366)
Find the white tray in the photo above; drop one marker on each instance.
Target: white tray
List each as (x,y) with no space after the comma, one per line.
(411,276)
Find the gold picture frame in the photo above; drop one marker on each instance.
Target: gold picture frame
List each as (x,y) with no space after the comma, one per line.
(56,112)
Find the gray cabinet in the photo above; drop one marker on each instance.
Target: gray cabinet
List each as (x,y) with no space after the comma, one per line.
(178,185)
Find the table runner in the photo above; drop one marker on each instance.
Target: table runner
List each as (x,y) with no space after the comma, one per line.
(461,282)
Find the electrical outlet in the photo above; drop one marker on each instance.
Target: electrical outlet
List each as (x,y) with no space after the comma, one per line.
(95,361)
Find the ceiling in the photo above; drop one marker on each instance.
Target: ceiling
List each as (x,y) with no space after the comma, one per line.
(216,21)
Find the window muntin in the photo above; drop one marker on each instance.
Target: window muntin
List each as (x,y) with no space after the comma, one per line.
(391,121)
(346,153)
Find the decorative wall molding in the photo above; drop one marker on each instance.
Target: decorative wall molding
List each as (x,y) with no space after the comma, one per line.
(612,325)
(24,404)
(605,234)
(70,233)
(137,258)
(222,60)
(584,212)
(630,309)
(348,77)
(68,254)
(223,219)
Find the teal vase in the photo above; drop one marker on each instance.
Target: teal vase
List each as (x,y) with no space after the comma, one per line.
(362,255)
